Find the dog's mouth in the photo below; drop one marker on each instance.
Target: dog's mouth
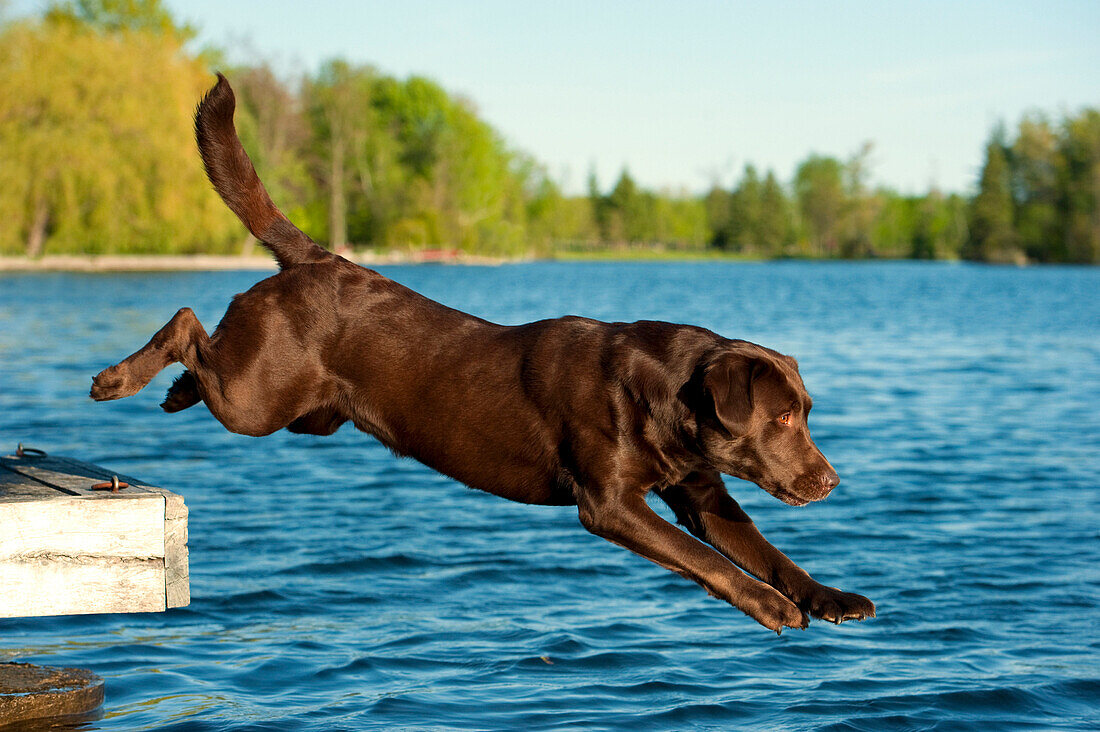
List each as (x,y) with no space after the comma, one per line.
(790,497)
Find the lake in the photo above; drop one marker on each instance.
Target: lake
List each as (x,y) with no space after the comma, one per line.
(335,586)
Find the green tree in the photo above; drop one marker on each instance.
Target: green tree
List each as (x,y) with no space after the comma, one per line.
(859,208)
(956,231)
(276,133)
(746,206)
(1079,148)
(717,207)
(459,184)
(992,237)
(819,189)
(601,210)
(113,16)
(117,175)
(681,221)
(938,226)
(895,223)
(487,195)
(1036,172)
(552,218)
(928,227)
(629,218)
(339,101)
(774,233)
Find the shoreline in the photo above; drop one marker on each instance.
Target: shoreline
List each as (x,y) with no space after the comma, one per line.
(216,262)
(264,263)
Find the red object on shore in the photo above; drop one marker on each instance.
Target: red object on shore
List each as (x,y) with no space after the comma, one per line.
(437,255)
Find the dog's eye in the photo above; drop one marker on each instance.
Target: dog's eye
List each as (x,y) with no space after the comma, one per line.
(785,419)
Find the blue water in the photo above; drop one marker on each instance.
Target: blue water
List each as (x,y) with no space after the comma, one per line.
(337,587)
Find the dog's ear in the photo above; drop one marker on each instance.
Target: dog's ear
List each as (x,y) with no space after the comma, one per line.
(729,383)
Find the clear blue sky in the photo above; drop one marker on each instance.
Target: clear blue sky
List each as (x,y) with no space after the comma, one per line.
(682,92)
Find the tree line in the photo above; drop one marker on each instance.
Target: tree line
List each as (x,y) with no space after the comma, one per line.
(97,156)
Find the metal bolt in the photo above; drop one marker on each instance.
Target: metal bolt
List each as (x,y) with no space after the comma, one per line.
(113,485)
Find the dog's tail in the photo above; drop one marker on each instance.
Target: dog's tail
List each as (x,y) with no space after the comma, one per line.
(229,169)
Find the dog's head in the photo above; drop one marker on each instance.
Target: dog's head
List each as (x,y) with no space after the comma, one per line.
(752,424)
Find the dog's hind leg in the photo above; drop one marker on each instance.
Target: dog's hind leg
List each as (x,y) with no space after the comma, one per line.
(183,393)
(182,339)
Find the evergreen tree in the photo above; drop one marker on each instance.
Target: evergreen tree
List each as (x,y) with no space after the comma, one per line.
(819,189)
(1035,174)
(746,204)
(1080,197)
(717,206)
(774,227)
(992,238)
(601,212)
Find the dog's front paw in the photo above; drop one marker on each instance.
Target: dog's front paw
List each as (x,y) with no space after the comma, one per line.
(773,611)
(836,606)
(112,383)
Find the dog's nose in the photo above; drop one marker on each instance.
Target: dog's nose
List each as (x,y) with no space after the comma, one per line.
(830,480)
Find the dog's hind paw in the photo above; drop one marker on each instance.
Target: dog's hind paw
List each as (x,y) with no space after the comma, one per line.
(112,383)
(183,393)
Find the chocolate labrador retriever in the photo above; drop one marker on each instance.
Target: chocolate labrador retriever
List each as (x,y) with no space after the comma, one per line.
(569,411)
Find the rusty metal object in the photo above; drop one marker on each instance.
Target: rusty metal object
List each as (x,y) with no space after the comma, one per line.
(37,692)
(113,485)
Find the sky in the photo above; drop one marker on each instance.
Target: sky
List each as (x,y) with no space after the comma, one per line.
(686,93)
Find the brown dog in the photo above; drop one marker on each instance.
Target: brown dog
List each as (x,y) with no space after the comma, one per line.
(568,411)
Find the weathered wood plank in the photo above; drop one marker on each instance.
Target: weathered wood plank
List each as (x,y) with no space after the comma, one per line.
(176,558)
(75,526)
(66,549)
(65,585)
(71,476)
(16,487)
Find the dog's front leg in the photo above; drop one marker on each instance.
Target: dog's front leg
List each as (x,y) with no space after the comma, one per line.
(624,519)
(703,505)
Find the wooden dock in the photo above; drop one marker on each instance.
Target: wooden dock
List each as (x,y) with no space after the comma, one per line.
(70,545)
